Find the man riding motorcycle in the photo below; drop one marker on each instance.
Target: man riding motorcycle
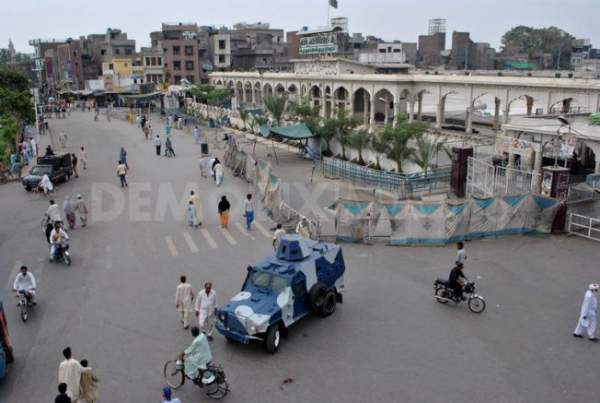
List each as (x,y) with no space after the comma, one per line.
(25,281)
(457,280)
(197,356)
(58,239)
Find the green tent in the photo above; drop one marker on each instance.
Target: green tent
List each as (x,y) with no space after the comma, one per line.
(295,132)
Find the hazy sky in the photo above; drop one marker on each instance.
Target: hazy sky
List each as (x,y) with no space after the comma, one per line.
(487,20)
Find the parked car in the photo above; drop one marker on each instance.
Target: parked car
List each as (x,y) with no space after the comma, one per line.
(59,168)
(303,277)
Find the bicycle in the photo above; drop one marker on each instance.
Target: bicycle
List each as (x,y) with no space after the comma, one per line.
(213,379)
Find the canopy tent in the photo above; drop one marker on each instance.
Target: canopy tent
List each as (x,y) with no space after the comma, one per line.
(295,132)
(142,96)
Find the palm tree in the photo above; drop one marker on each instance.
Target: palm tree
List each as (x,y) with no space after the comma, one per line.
(346,123)
(276,106)
(244,115)
(379,146)
(327,130)
(359,140)
(398,137)
(426,151)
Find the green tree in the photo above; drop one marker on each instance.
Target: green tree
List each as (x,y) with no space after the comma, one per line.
(379,146)
(219,97)
(16,106)
(398,138)
(346,124)
(360,140)
(537,41)
(244,115)
(276,106)
(426,151)
(326,130)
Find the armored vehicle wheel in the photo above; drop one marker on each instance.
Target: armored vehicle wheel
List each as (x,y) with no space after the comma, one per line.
(316,297)
(273,338)
(329,303)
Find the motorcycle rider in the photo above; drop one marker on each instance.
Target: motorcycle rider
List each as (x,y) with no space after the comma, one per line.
(53,212)
(456,281)
(58,238)
(25,281)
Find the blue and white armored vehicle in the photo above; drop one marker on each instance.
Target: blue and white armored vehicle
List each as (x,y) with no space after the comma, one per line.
(303,277)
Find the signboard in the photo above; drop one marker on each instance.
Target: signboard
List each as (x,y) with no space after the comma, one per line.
(319,43)
(516,146)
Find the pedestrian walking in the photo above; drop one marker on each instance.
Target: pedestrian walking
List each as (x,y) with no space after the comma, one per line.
(62,396)
(82,209)
(168,130)
(167,395)
(223,209)
(26,152)
(69,210)
(169,152)
(34,148)
(219,173)
(195,200)
(146,130)
(69,372)
(303,228)
(587,315)
(184,301)
(190,215)
(279,232)
(157,144)
(461,256)
(138,120)
(249,211)
(74,163)
(196,135)
(62,138)
(206,304)
(83,157)
(123,157)
(88,387)
(122,172)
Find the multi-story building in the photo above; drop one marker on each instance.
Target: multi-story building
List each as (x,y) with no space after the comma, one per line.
(151,60)
(114,44)
(410,50)
(46,51)
(70,65)
(431,48)
(220,50)
(484,57)
(463,51)
(293,44)
(258,46)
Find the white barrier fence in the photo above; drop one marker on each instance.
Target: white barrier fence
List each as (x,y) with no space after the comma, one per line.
(584,226)
(488,180)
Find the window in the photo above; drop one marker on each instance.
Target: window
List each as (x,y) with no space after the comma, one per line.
(381,50)
(148,78)
(177,79)
(221,44)
(176,65)
(110,66)
(129,51)
(221,59)
(159,61)
(166,65)
(396,50)
(117,51)
(189,50)
(74,54)
(147,61)
(176,50)
(165,50)
(189,65)
(190,79)
(153,60)
(103,51)
(126,65)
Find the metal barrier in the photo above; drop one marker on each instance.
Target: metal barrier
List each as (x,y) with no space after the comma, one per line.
(584,226)
(487,180)
(403,184)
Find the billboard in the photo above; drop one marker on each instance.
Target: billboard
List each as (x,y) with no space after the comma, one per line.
(318,43)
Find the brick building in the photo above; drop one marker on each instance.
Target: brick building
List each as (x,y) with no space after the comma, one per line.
(430,49)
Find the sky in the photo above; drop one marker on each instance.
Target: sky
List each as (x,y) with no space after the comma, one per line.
(404,20)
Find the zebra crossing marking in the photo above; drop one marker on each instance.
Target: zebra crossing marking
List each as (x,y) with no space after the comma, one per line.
(228,236)
(244,230)
(209,238)
(190,242)
(171,246)
(262,229)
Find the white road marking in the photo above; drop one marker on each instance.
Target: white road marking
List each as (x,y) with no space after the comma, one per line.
(209,238)
(228,236)
(190,242)
(13,274)
(171,246)
(109,257)
(243,230)
(262,229)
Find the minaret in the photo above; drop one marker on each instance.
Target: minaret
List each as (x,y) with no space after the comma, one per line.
(11,50)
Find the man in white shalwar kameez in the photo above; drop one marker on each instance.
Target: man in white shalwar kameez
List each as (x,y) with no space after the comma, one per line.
(587,316)
(69,372)
(198,355)
(184,301)
(206,303)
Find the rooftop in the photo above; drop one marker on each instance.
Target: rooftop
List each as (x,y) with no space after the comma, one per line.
(547,126)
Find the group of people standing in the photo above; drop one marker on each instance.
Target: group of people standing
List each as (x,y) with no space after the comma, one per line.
(204,306)
(76,381)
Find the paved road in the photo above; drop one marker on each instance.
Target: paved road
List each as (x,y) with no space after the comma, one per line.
(389,341)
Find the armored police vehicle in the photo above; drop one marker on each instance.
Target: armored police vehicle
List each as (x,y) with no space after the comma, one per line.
(303,277)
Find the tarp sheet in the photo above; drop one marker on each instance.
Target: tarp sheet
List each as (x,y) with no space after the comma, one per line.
(294,132)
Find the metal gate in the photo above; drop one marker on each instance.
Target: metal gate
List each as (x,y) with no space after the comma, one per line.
(486,180)
(584,226)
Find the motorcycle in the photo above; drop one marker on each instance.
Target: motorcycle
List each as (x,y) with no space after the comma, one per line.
(61,253)
(443,294)
(213,379)
(25,304)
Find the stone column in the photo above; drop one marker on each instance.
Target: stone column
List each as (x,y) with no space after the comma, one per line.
(372,115)
(469,116)
(549,102)
(439,117)
(253,96)
(365,109)
(529,105)
(386,110)
(537,169)
(496,113)
(419,105)
(411,107)
(507,107)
